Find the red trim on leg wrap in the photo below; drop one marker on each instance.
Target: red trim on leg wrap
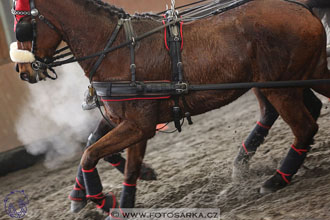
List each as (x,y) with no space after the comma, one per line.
(244,147)
(284,175)
(79,184)
(88,171)
(263,126)
(299,151)
(115,164)
(127,184)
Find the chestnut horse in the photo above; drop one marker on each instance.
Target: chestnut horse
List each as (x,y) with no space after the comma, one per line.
(258,41)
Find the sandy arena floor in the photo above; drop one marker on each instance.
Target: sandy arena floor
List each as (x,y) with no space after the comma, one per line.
(194,170)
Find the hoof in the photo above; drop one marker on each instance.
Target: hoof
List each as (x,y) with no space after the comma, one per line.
(273,184)
(147,173)
(240,172)
(78,200)
(241,166)
(76,206)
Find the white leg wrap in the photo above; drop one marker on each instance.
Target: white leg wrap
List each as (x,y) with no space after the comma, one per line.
(20,56)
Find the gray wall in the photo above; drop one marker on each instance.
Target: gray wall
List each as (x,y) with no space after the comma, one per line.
(7,20)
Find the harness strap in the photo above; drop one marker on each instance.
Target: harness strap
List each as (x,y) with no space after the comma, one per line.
(108,45)
(130,36)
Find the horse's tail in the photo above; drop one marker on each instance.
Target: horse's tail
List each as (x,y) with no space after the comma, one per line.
(318,3)
(322,10)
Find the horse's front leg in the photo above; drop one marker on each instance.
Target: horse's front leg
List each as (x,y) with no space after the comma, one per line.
(126,134)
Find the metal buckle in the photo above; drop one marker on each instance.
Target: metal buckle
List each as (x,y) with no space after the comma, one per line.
(181,88)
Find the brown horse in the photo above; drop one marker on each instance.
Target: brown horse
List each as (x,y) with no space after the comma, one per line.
(258,41)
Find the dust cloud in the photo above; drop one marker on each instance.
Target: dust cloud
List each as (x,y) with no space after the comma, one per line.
(53,122)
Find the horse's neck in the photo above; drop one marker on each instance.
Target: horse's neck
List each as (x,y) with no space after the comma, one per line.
(84,31)
(87,32)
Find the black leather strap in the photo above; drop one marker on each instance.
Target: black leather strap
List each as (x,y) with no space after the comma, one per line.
(130,36)
(108,45)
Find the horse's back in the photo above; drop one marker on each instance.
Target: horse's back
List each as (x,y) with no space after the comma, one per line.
(261,36)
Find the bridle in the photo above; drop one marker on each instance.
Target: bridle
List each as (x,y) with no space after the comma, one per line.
(27,31)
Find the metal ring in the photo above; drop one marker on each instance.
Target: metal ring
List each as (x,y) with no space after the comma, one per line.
(36,65)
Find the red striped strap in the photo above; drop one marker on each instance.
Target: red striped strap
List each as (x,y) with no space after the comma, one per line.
(165,37)
(181,32)
(88,171)
(75,199)
(102,204)
(136,98)
(299,151)
(263,126)
(115,164)
(284,175)
(81,186)
(113,203)
(97,196)
(128,184)
(244,147)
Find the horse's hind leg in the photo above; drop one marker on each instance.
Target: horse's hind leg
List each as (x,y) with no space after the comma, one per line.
(268,116)
(135,156)
(290,105)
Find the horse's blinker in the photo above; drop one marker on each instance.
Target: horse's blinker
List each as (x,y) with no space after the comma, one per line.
(24,31)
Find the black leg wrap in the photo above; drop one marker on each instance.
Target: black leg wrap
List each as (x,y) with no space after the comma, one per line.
(77,194)
(256,137)
(292,162)
(289,167)
(127,198)
(117,161)
(80,183)
(108,203)
(93,184)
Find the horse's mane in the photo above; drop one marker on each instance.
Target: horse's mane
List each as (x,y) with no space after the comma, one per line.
(96,5)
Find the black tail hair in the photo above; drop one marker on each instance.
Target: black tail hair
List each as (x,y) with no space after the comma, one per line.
(318,3)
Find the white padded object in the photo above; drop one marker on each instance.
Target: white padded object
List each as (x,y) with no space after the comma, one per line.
(20,56)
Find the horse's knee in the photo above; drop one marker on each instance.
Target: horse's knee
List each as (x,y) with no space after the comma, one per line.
(88,159)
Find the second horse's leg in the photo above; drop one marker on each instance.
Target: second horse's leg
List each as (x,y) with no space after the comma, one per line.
(268,116)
